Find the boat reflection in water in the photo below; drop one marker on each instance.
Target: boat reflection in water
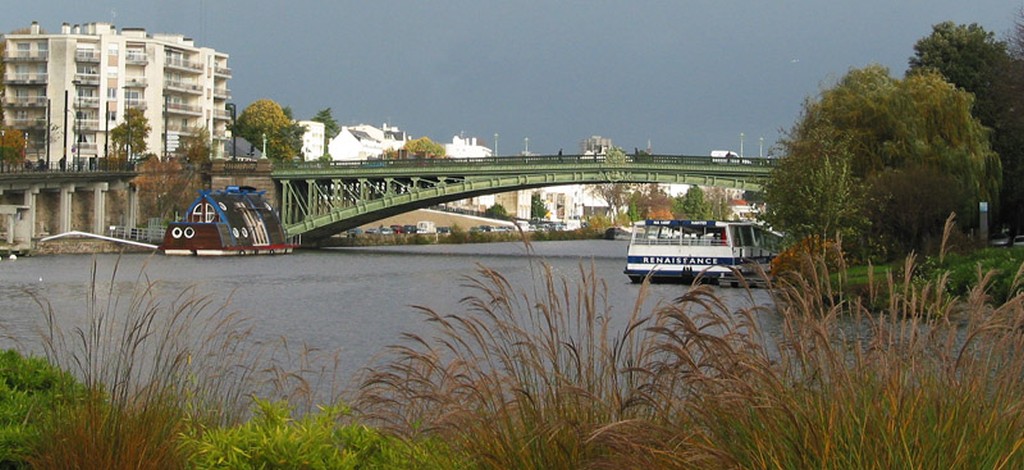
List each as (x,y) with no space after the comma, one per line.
(684,249)
(237,220)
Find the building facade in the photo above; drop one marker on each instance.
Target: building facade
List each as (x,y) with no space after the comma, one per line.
(312,140)
(67,90)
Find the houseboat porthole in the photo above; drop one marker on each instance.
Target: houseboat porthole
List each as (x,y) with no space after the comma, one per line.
(245,232)
(222,206)
(190,232)
(234,231)
(176,232)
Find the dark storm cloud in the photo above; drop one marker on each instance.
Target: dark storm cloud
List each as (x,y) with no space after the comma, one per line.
(688,76)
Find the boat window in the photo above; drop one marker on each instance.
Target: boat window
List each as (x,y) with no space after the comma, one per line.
(203,213)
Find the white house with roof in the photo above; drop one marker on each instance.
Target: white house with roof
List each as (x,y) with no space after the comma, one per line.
(363,142)
(312,140)
(469,147)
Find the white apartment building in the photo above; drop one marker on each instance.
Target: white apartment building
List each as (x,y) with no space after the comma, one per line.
(66,90)
(312,140)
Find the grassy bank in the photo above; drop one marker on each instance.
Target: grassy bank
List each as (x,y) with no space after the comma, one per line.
(536,377)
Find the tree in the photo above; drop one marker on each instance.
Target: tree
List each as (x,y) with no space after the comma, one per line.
(651,202)
(266,118)
(195,146)
(616,195)
(12,147)
(691,205)
(129,137)
(812,192)
(972,59)
(424,148)
(497,211)
(331,127)
(166,187)
(867,124)
(538,210)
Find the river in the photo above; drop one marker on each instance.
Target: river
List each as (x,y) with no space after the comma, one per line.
(354,301)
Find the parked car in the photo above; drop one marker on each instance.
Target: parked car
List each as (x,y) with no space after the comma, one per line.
(397,229)
(1018,240)
(354,232)
(410,229)
(1000,239)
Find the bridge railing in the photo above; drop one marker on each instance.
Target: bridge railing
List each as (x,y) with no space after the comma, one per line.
(73,165)
(520,160)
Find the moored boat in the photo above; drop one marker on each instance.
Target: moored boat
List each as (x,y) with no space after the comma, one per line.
(237,220)
(685,249)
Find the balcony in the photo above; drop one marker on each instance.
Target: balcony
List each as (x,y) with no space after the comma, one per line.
(25,101)
(222,71)
(26,56)
(181,108)
(135,82)
(136,58)
(25,79)
(135,104)
(183,87)
(87,78)
(87,56)
(28,123)
(222,114)
(88,101)
(222,93)
(182,64)
(87,124)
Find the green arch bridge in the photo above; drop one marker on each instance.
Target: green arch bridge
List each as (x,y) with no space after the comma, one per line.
(319,199)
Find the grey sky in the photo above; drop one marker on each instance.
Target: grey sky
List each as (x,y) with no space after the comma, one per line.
(688,76)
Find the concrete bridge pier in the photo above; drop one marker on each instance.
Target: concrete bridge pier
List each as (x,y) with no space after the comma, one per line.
(67,191)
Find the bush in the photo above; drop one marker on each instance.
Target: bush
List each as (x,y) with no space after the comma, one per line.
(29,388)
(273,439)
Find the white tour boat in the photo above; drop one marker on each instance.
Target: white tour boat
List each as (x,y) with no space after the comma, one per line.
(685,249)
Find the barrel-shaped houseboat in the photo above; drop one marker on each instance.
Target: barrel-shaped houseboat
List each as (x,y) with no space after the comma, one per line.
(237,220)
(685,249)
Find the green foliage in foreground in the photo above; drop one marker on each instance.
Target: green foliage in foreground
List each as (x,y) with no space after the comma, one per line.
(273,439)
(1003,266)
(29,387)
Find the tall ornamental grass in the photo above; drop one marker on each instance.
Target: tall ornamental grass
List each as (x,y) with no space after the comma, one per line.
(904,376)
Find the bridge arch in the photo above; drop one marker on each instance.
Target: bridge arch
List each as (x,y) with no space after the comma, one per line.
(319,199)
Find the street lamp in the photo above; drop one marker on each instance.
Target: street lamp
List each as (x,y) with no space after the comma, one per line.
(264,155)
(77,147)
(128,125)
(234,140)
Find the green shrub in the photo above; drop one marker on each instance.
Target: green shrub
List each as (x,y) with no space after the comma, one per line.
(29,387)
(273,439)
(966,270)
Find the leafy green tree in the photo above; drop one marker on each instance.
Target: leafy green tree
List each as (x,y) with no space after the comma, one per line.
(130,136)
(331,126)
(867,124)
(423,147)
(497,211)
(537,208)
(812,191)
(691,205)
(974,60)
(266,118)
